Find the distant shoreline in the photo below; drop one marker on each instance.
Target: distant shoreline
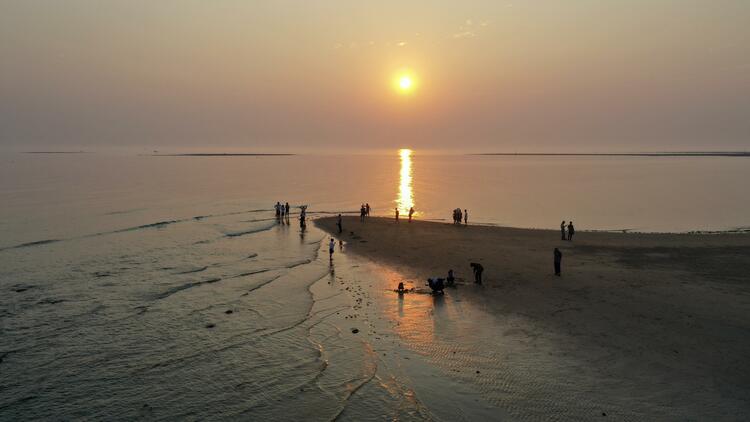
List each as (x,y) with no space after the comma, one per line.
(626,154)
(54,152)
(221,155)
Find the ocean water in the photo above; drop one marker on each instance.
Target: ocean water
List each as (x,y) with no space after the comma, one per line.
(164,287)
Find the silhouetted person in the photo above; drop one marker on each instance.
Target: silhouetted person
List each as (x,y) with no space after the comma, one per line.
(478,270)
(436,284)
(571,231)
(362,212)
(466,217)
(400,288)
(277,207)
(562,230)
(396,209)
(331,245)
(450,280)
(411,212)
(558,260)
(338,223)
(286,208)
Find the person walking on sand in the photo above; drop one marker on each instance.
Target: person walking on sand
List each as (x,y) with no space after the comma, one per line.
(396,209)
(362,212)
(338,223)
(286,208)
(411,212)
(367,209)
(571,231)
(331,246)
(466,217)
(558,261)
(562,229)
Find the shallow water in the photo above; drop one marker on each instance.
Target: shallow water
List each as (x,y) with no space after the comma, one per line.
(163,287)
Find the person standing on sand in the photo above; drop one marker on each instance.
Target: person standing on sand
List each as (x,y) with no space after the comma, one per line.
(362,212)
(331,245)
(286,207)
(338,223)
(571,231)
(396,209)
(367,209)
(558,261)
(562,229)
(466,217)
(478,270)
(411,212)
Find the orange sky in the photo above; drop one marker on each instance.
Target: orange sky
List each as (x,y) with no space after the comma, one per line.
(491,75)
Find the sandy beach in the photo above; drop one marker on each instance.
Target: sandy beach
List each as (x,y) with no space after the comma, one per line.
(648,326)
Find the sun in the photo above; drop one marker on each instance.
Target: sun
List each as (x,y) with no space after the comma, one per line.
(404,83)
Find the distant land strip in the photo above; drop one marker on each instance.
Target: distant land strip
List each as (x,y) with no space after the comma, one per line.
(627,154)
(55,152)
(222,155)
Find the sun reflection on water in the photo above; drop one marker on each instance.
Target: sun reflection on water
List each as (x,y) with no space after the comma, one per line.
(405,198)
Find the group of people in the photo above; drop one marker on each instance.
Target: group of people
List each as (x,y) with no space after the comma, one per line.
(281,209)
(458,215)
(437,284)
(398,213)
(364,211)
(571,231)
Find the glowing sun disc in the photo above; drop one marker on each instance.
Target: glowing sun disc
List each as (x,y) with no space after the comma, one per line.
(405,83)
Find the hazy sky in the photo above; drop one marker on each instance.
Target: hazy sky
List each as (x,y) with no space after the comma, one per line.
(490,75)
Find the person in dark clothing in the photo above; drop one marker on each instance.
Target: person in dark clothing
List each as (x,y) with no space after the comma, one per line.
(562,230)
(411,212)
(396,209)
(478,270)
(400,289)
(338,223)
(451,279)
(571,231)
(286,207)
(367,209)
(436,284)
(362,212)
(466,217)
(558,261)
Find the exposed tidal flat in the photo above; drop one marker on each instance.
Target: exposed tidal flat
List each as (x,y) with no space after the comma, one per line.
(638,327)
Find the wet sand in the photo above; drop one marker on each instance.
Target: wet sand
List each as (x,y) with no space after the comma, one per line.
(638,326)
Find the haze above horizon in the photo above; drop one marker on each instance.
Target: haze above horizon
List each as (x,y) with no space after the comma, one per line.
(482,76)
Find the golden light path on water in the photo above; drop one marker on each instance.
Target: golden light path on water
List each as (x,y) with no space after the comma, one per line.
(405,198)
